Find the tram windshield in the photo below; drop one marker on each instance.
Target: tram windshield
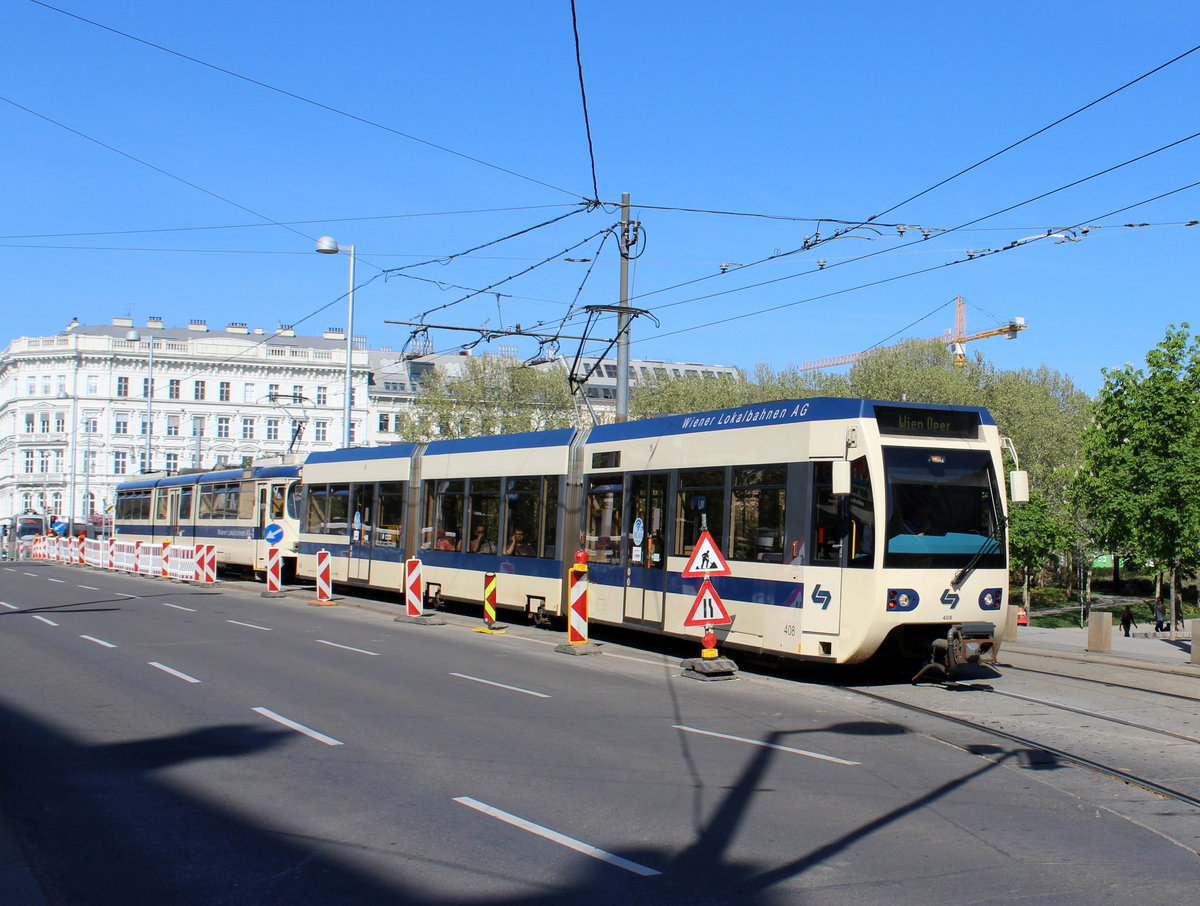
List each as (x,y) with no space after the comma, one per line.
(943,508)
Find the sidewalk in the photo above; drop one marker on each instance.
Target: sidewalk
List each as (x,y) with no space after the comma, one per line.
(1141,650)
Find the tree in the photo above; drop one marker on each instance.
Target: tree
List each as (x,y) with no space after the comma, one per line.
(490,395)
(1141,483)
(1036,534)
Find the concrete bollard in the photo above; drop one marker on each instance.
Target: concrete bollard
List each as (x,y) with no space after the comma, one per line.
(1100,630)
(1008,632)
(1193,627)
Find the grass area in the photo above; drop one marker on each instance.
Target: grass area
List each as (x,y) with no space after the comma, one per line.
(1143,614)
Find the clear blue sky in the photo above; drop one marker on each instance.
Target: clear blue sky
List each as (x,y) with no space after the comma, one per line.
(796,110)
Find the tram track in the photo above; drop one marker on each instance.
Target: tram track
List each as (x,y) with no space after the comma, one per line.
(1056,752)
(1108,684)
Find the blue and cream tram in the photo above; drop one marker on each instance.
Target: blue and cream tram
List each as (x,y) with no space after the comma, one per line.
(243,512)
(850,526)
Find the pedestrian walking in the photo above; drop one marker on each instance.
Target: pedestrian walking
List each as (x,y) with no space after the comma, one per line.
(1159,616)
(1127,620)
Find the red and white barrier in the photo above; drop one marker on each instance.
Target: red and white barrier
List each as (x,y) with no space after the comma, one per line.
(324,578)
(413,600)
(577,615)
(181,563)
(274,570)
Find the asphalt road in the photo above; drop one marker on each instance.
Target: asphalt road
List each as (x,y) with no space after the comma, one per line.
(165,743)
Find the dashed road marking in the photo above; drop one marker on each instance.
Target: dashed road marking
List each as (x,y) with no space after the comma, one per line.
(251,625)
(92,638)
(45,620)
(348,648)
(179,607)
(765,745)
(300,728)
(476,679)
(165,669)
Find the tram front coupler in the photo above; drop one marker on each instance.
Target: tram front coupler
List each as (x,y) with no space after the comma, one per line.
(964,643)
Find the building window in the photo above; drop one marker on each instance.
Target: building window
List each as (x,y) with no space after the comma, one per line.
(44,423)
(272,429)
(145,426)
(122,386)
(93,384)
(247,429)
(45,385)
(272,392)
(384,422)
(223,390)
(28,462)
(91,426)
(320,431)
(29,420)
(173,388)
(172,426)
(197,426)
(353,431)
(43,461)
(247,393)
(89,462)
(143,463)
(31,386)
(58,460)
(120,462)
(322,397)
(222,426)
(121,425)
(60,422)
(147,389)
(198,390)
(172,462)
(297,393)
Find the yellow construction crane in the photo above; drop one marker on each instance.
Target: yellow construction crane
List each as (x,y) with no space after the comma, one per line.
(954,339)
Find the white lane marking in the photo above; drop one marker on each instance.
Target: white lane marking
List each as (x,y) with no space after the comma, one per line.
(251,625)
(59,581)
(89,587)
(348,648)
(123,595)
(45,620)
(765,745)
(556,837)
(32,574)
(92,638)
(178,607)
(307,731)
(476,679)
(9,606)
(165,669)
(9,569)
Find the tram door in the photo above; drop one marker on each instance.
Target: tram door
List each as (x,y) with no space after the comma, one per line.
(261,544)
(645,552)
(173,532)
(362,512)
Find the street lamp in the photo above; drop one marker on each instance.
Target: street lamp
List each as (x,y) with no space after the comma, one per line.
(327,245)
(135,337)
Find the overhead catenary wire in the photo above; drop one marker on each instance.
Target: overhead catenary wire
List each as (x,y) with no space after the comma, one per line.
(587,123)
(303,99)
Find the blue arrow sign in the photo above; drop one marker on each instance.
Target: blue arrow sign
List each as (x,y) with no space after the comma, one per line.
(273,533)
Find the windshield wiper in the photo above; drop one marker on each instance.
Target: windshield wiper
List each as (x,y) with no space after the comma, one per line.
(963,573)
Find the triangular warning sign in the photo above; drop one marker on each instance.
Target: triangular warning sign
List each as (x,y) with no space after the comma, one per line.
(708,608)
(706,559)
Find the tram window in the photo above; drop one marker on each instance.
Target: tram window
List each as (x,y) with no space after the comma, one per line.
(699,507)
(316,513)
(861,503)
(246,501)
(293,500)
(442,524)
(602,538)
(759,514)
(826,543)
(278,492)
(390,521)
(339,510)
(550,520)
(524,517)
(185,504)
(207,499)
(483,532)
(160,505)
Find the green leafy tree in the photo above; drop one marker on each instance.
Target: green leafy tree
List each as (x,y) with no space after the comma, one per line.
(1036,534)
(491,395)
(1141,483)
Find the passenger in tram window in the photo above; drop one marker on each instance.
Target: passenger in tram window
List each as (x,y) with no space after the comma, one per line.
(443,542)
(480,543)
(518,546)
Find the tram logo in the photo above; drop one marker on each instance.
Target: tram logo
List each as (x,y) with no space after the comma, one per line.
(821,596)
(950,598)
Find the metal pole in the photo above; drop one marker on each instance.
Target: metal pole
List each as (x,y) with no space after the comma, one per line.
(149,400)
(349,347)
(622,413)
(74,442)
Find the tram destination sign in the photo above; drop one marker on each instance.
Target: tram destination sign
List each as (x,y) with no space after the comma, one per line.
(927,422)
